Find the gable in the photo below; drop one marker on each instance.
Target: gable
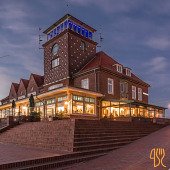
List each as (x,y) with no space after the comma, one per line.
(13,91)
(32,86)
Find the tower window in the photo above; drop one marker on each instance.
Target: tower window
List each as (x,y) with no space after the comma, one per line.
(55,49)
(55,62)
(83,46)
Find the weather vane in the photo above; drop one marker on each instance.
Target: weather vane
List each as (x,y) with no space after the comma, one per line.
(100,39)
(40,38)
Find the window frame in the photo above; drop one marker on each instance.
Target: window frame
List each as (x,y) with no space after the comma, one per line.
(55,46)
(110,84)
(85,86)
(83,46)
(119,68)
(134,92)
(58,62)
(140,97)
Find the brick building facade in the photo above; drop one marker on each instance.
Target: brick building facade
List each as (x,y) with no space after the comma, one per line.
(80,82)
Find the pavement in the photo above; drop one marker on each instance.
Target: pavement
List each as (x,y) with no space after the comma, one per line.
(14,153)
(135,156)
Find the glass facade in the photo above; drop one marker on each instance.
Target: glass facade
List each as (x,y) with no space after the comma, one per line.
(127,109)
(83,105)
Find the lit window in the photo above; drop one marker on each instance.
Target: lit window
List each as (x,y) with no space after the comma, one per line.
(119,68)
(55,49)
(128,72)
(83,46)
(85,83)
(139,94)
(55,62)
(110,86)
(134,92)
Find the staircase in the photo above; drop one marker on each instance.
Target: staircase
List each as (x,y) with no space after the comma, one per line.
(92,138)
(103,136)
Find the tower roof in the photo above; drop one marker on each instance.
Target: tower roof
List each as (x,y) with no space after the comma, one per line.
(68,16)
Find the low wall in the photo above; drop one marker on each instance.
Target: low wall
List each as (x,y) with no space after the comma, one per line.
(56,135)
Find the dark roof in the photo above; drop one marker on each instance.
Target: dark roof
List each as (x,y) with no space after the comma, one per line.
(65,17)
(25,82)
(38,79)
(16,86)
(147,105)
(101,59)
(5,99)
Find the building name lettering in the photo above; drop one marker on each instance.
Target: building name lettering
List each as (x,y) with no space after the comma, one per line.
(68,24)
(56,86)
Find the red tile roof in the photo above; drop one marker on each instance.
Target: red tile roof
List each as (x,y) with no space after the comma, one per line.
(101,59)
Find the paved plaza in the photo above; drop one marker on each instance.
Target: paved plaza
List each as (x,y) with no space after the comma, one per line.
(13,153)
(135,156)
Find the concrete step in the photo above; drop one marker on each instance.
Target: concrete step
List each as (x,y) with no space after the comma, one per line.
(93,138)
(103,146)
(104,141)
(82,135)
(57,161)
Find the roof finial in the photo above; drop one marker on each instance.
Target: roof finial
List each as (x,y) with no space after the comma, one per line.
(67,10)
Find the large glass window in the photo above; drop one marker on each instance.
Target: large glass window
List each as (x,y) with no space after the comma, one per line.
(84,105)
(85,83)
(110,86)
(62,105)
(89,105)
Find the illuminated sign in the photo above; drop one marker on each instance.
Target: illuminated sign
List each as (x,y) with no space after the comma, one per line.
(68,24)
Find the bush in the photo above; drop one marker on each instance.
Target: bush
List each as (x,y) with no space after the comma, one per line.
(34,116)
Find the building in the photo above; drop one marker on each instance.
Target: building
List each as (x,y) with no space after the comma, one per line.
(80,82)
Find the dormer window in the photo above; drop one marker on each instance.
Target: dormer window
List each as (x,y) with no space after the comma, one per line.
(128,72)
(119,68)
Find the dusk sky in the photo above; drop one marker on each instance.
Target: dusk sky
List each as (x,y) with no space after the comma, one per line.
(135,32)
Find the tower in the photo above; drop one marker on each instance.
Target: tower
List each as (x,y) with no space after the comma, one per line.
(68,48)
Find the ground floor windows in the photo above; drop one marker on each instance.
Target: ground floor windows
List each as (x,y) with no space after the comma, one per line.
(62,105)
(125,109)
(77,107)
(84,105)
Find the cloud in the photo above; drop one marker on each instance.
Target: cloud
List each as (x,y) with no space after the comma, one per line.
(161,43)
(109,5)
(156,65)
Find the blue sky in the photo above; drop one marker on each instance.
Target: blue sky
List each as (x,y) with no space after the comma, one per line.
(135,32)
